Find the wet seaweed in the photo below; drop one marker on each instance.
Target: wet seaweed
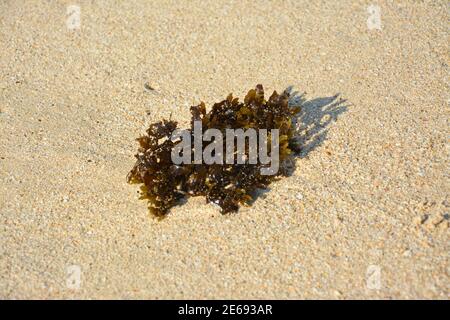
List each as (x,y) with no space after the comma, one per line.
(163,184)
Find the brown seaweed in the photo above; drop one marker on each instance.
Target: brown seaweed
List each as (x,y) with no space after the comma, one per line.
(164,183)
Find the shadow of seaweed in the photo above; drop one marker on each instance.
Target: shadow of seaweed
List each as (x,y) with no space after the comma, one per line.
(311,127)
(314,118)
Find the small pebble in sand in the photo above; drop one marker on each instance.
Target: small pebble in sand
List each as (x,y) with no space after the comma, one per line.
(148,87)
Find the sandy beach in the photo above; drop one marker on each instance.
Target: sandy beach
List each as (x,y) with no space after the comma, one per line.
(365,214)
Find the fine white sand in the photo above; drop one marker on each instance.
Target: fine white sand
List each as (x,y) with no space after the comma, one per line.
(365,215)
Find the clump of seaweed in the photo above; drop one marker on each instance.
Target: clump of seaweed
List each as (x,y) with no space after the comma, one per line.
(164,183)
